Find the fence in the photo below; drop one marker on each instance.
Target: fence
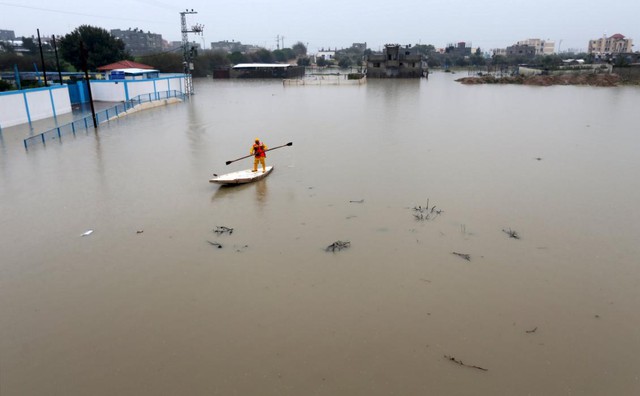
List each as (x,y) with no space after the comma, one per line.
(102,116)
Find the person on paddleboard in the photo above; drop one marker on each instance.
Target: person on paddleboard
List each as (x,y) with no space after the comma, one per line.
(259,152)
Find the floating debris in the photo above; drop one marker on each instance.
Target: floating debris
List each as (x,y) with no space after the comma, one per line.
(241,248)
(360,201)
(87,233)
(451,358)
(512,233)
(216,244)
(426,213)
(463,255)
(139,231)
(223,230)
(538,158)
(531,331)
(338,245)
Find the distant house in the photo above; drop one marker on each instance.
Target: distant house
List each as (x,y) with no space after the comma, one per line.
(542,47)
(7,35)
(459,49)
(137,42)
(132,74)
(396,62)
(124,64)
(522,50)
(325,54)
(615,44)
(233,46)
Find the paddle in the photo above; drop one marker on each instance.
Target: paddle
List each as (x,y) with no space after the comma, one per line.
(251,155)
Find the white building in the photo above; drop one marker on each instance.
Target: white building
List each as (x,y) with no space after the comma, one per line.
(615,44)
(326,55)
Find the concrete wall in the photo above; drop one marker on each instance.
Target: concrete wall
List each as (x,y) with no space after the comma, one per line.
(124,90)
(27,105)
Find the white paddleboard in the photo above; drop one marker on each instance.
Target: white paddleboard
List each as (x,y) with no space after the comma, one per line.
(241,177)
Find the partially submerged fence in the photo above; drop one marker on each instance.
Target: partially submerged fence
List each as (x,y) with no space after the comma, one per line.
(102,116)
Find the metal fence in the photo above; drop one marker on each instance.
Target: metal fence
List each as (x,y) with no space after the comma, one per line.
(102,116)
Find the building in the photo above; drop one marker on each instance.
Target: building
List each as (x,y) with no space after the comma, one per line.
(325,54)
(460,49)
(7,35)
(615,44)
(138,42)
(234,46)
(125,64)
(521,50)
(542,47)
(396,62)
(499,52)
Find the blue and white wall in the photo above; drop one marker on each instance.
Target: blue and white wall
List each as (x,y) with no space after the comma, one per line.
(25,106)
(124,90)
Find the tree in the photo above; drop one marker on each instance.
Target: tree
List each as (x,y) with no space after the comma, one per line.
(304,61)
(263,56)
(279,55)
(29,44)
(423,49)
(209,61)
(165,62)
(321,62)
(237,57)
(299,49)
(102,48)
(345,63)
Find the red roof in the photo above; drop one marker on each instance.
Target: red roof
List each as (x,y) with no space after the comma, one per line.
(125,64)
(617,36)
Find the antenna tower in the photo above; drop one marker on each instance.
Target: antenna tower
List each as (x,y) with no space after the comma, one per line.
(188,51)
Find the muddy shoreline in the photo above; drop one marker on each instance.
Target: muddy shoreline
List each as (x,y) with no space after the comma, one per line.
(598,80)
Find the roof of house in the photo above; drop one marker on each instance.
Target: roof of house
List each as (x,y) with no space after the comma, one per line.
(262,65)
(133,70)
(125,64)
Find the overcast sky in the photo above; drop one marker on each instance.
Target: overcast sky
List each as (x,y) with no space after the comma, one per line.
(339,23)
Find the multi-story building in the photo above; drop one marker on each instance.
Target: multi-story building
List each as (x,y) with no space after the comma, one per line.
(7,35)
(542,47)
(521,50)
(615,44)
(137,42)
(499,51)
(459,49)
(395,62)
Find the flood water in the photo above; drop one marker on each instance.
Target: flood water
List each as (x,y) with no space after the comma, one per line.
(165,312)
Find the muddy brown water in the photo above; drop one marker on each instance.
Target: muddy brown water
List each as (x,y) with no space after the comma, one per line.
(164,312)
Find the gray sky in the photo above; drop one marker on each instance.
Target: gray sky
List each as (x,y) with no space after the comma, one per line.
(338,23)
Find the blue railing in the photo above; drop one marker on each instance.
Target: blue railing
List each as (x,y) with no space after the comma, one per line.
(101,116)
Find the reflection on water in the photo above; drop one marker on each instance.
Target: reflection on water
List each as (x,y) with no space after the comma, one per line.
(165,312)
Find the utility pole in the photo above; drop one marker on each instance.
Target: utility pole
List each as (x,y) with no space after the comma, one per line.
(83,55)
(44,69)
(55,49)
(187,52)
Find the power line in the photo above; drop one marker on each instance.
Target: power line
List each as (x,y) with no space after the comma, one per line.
(157,4)
(77,13)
